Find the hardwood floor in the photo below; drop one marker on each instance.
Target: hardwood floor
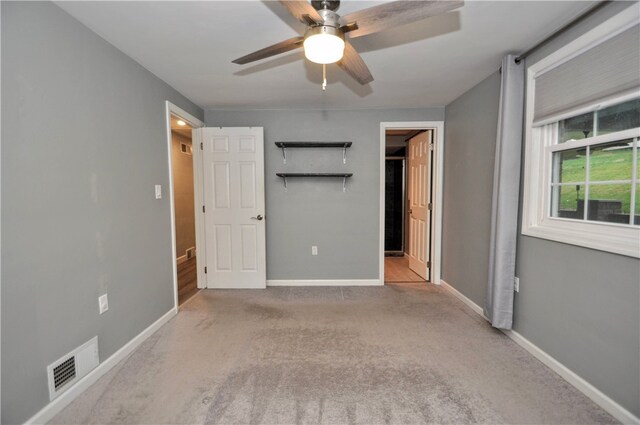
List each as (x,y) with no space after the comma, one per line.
(396,269)
(187,280)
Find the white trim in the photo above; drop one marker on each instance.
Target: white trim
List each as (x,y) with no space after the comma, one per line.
(600,398)
(595,140)
(436,219)
(181,259)
(50,410)
(582,385)
(194,122)
(326,282)
(536,220)
(198,199)
(459,295)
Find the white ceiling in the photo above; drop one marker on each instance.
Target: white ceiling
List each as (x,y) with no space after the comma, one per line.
(190,45)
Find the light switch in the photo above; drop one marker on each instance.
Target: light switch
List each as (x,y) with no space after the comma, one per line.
(103,303)
(158,191)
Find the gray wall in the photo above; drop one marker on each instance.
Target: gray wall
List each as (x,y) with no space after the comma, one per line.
(83,144)
(470,140)
(182,167)
(580,305)
(344,226)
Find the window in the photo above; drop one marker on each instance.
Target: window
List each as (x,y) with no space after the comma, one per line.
(594,165)
(582,170)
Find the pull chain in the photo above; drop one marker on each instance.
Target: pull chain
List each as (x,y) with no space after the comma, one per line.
(324,77)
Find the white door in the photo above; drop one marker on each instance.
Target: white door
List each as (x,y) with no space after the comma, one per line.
(419,187)
(233,169)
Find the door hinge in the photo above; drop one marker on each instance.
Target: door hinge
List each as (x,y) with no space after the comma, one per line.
(428,264)
(203,209)
(430,206)
(431,146)
(201,146)
(205,269)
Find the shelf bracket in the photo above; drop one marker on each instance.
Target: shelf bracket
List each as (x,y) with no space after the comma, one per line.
(344,184)
(344,154)
(285,181)
(284,155)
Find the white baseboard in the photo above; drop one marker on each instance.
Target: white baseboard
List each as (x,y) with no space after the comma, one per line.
(50,410)
(181,259)
(459,295)
(601,399)
(327,282)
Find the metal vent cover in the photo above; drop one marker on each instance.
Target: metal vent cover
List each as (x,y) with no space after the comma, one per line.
(64,372)
(185,148)
(68,369)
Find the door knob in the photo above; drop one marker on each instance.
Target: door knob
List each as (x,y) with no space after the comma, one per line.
(259,217)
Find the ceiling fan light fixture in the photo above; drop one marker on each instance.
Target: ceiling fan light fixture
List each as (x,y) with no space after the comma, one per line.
(324,44)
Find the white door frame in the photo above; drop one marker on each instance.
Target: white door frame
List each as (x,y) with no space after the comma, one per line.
(436,217)
(195,123)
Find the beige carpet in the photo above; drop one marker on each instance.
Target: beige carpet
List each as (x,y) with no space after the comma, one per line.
(371,355)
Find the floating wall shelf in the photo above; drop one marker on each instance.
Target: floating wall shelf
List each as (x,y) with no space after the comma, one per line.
(344,177)
(342,145)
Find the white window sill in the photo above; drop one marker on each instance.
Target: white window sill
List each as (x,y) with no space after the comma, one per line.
(609,237)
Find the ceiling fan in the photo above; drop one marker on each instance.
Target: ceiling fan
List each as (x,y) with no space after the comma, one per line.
(327,37)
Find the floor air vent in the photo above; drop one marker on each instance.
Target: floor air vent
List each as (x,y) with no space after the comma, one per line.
(71,367)
(64,372)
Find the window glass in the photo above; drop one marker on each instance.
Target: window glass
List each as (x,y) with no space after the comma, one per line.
(569,166)
(619,117)
(568,201)
(575,128)
(595,182)
(636,219)
(637,160)
(611,161)
(609,202)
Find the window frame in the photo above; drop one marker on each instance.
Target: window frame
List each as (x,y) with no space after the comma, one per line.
(540,143)
(590,142)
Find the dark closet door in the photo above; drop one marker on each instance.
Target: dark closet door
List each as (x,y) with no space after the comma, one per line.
(394,203)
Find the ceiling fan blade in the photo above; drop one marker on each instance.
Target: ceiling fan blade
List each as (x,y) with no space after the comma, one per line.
(301,8)
(276,49)
(396,13)
(354,65)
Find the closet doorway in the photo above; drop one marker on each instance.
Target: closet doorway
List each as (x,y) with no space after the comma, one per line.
(185,185)
(184,207)
(408,231)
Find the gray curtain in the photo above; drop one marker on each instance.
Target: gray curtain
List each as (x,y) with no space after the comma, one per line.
(506,189)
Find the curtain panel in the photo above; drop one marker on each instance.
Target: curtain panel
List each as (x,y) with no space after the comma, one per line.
(506,191)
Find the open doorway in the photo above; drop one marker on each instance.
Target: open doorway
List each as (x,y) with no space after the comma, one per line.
(181,155)
(407,189)
(184,210)
(410,179)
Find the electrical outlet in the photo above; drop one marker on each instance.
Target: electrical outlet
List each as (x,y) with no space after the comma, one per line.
(516,284)
(314,250)
(103,303)
(158,191)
